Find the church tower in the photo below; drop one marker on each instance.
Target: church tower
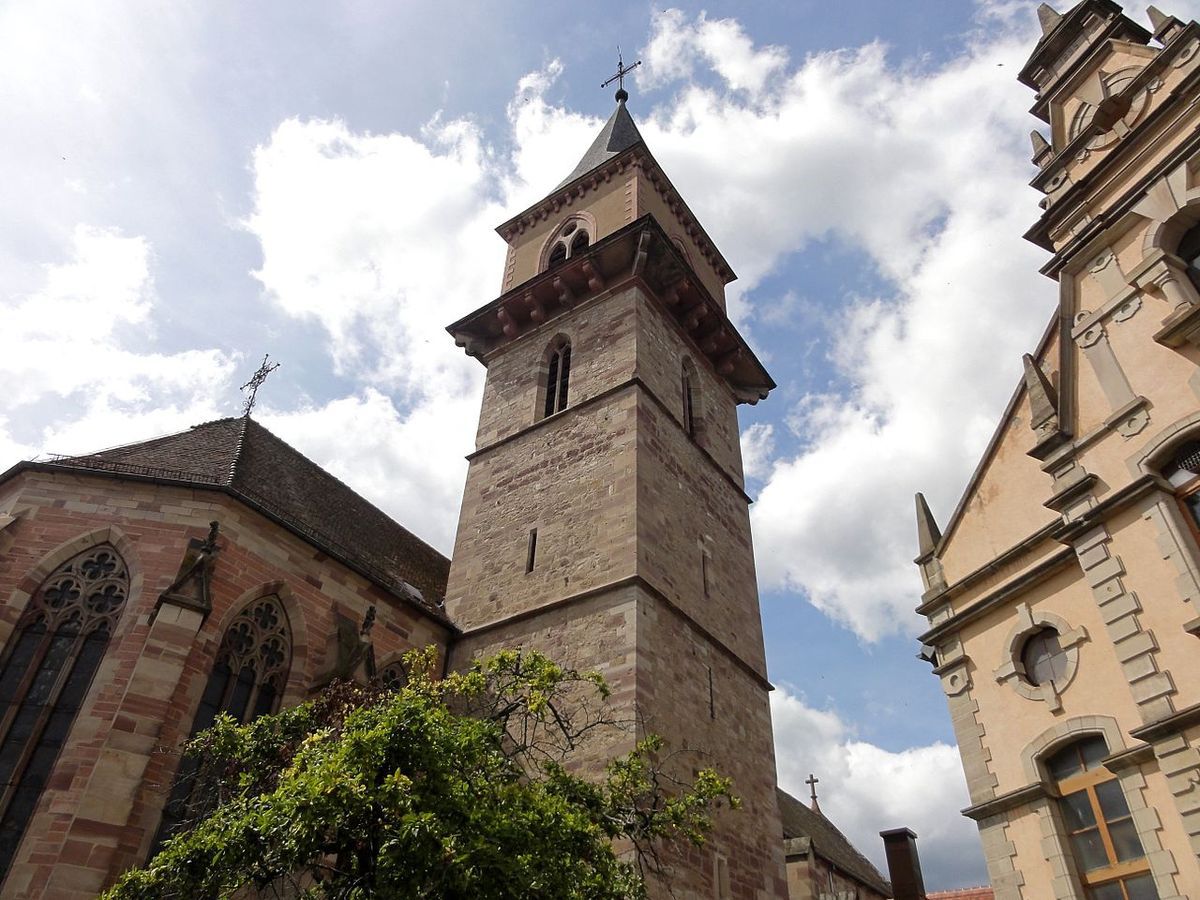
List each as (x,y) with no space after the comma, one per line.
(605,519)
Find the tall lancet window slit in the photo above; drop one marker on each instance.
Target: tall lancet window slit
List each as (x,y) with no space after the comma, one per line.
(558,379)
(45,672)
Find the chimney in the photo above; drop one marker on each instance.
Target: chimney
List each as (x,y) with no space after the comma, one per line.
(904,866)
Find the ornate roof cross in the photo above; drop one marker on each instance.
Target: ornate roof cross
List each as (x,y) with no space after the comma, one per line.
(622,71)
(256,381)
(812,781)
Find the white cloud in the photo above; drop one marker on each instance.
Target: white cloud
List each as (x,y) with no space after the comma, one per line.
(865,789)
(78,343)
(758,445)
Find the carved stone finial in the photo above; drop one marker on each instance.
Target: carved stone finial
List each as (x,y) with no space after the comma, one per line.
(1164,27)
(191,587)
(1158,18)
(1040,144)
(1048,17)
(928,533)
(1043,401)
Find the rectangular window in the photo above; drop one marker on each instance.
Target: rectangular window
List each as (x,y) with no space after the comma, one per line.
(532,554)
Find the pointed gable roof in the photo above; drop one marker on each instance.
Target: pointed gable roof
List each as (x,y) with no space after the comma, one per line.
(799,821)
(245,460)
(618,135)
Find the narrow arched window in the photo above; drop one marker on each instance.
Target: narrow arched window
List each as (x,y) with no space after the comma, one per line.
(1098,824)
(558,255)
(247,681)
(579,243)
(569,241)
(558,378)
(689,399)
(45,672)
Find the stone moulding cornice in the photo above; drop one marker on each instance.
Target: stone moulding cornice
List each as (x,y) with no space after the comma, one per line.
(1123,760)
(1001,595)
(575,408)
(1168,725)
(1181,328)
(1066,532)
(1016,550)
(634,580)
(1069,203)
(640,250)
(1058,39)
(1022,796)
(636,157)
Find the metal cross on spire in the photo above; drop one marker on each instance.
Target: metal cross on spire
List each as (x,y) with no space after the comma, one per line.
(812,781)
(256,381)
(622,71)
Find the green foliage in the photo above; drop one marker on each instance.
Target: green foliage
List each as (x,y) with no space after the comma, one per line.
(446,788)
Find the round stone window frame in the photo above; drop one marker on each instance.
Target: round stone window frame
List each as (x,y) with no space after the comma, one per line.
(1011,670)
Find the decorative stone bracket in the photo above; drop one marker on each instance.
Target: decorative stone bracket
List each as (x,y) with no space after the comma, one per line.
(1011,670)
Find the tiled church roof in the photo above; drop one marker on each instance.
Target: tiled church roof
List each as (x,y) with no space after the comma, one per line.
(827,842)
(245,460)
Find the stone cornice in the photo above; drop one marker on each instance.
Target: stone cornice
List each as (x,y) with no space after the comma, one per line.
(1165,727)
(1120,499)
(1005,802)
(634,580)
(999,597)
(640,250)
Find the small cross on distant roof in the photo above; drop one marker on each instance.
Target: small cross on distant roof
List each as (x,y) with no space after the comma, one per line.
(622,71)
(812,781)
(256,381)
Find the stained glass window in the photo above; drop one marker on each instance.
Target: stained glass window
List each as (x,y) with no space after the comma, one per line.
(45,672)
(247,681)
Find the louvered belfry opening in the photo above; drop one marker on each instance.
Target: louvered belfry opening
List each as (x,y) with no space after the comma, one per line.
(247,681)
(45,672)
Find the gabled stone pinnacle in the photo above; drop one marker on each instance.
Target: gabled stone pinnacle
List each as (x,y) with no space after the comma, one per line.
(1164,26)
(1048,16)
(928,533)
(1043,401)
(1040,144)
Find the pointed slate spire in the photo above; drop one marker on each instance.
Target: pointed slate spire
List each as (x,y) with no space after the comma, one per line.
(1043,401)
(618,135)
(928,533)
(1048,16)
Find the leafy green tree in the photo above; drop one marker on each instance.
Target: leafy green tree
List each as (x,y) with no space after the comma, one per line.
(443,788)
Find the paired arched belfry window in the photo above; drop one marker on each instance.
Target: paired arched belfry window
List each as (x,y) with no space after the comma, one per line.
(558,378)
(247,681)
(572,239)
(1098,824)
(45,672)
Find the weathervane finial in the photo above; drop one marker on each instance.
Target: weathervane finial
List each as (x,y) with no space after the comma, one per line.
(256,381)
(622,71)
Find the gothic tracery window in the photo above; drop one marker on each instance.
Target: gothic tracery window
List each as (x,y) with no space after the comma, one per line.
(558,377)
(247,681)
(571,240)
(45,672)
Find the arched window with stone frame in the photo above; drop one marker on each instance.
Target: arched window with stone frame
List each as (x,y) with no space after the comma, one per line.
(45,672)
(247,680)
(555,380)
(569,240)
(690,397)
(1189,251)
(1094,819)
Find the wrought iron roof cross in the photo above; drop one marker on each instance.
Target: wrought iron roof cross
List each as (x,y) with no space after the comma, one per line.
(256,381)
(812,781)
(622,71)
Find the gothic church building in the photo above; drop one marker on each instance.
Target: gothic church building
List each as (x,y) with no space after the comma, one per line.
(604,521)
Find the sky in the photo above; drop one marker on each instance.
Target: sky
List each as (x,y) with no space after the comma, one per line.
(190,186)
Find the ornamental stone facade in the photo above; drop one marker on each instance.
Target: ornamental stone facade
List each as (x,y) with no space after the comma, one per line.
(1061,593)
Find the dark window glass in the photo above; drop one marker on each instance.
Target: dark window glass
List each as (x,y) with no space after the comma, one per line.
(1044,659)
(1189,252)
(689,421)
(558,255)
(45,672)
(246,682)
(579,243)
(558,377)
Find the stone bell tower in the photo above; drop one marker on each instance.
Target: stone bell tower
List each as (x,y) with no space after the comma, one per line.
(605,520)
